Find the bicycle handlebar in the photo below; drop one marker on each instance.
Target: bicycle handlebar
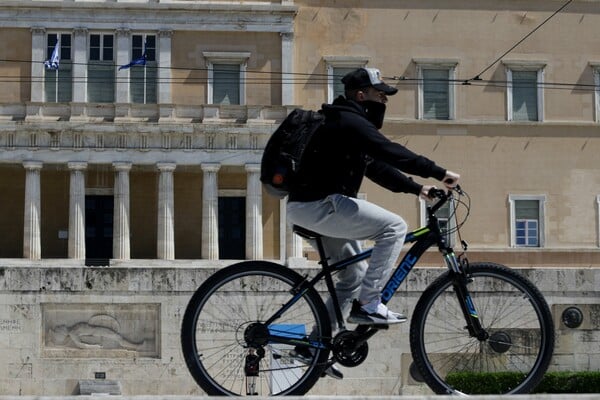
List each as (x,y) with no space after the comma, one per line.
(435,193)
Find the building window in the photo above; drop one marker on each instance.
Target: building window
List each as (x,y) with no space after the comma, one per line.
(527,221)
(525,96)
(596,69)
(445,217)
(436,89)
(58,83)
(598,224)
(226,77)
(337,67)
(143,78)
(101,69)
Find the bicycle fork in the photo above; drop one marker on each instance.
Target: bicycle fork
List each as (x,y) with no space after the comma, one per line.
(459,284)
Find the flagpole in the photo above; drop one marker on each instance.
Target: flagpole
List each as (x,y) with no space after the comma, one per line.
(144,83)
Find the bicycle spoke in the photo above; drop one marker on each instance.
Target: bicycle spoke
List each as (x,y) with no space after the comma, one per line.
(517,334)
(231,334)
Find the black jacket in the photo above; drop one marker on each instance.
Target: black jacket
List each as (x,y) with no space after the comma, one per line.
(349,147)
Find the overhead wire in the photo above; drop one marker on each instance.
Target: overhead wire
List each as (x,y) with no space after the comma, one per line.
(309,78)
(478,76)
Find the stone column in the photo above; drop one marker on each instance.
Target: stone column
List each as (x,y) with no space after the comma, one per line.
(123,57)
(287,68)
(210,212)
(166,223)
(254,227)
(121,245)
(164,62)
(77,210)
(32,242)
(80,61)
(38,56)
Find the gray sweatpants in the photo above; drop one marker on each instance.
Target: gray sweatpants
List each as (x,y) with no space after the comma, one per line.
(344,221)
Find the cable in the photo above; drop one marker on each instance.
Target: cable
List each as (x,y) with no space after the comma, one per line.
(478,76)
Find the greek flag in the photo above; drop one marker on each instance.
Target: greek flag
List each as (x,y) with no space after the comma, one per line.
(54,60)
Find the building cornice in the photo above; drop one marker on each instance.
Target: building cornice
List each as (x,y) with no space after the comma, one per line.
(148,16)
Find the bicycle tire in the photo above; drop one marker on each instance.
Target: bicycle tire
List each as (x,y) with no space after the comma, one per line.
(511,309)
(216,318)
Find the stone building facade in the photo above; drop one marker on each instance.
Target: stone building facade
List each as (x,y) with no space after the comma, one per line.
(153,170)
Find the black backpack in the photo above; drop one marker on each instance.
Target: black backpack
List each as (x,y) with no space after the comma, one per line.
(282,159)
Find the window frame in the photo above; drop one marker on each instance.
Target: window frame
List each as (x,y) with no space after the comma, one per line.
(152,63)
(332,62)
(101,62)
(64,65)
(231,58)
(598,218)
(596,74)
(541,199)
(450,66)
(536,66)
(451,222)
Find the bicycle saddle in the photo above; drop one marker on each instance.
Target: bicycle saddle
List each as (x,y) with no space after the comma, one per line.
(305,233)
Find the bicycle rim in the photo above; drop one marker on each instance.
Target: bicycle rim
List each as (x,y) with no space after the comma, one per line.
(219,315)
(513,312)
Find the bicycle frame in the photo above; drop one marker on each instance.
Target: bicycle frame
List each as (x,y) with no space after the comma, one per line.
(423,238)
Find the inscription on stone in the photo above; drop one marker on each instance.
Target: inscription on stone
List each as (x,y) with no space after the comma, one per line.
(10,325)
(101,330)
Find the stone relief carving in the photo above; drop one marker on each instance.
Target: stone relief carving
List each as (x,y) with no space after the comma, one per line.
(101,330)
(93,335)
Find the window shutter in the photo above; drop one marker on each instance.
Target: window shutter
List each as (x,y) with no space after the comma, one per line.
(226,84)
(436,104)
(101,81)
(527,209)
(338,74)
(65,85)
(525,101)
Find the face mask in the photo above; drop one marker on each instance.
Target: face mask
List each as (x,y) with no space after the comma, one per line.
(375,112)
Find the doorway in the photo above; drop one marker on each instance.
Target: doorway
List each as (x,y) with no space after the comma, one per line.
(232,228)
(99,211)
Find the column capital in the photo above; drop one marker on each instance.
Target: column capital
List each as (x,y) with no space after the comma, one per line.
(32,165)
(210,167)
(80,31)
(166,166)
(123,32)
(38,30)
(77,165)
(122,166)
(252,167)
(287,35)
(165,33)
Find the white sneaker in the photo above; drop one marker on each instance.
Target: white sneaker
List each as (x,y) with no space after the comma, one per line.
(381,315)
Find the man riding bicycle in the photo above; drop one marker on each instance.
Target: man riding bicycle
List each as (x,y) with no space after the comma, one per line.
(348,147)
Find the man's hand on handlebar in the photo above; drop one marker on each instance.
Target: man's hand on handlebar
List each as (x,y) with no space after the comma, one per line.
(451,179)
(430,192)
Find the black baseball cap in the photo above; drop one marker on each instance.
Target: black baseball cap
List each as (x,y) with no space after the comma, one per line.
(365,77)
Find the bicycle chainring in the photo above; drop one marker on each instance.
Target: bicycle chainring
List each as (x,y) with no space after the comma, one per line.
(346,351)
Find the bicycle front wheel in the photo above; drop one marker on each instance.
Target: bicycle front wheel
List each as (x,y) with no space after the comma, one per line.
(224,337)
(520,334)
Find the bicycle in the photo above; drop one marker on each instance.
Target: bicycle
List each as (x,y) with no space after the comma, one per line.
(242,323)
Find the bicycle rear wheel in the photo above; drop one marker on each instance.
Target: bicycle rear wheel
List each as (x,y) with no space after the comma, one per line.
(515,356)
(229,309)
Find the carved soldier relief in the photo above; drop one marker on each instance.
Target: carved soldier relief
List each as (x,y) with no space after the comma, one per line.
(101,330)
